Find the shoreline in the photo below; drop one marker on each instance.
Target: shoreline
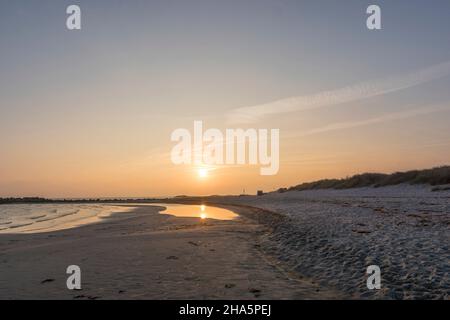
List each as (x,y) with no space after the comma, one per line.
(147,255)
(46,220)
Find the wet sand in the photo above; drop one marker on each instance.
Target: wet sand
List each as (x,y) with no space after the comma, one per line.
(146,255)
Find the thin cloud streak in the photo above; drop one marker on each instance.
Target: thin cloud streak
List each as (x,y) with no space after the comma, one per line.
(343,95)
(380,119)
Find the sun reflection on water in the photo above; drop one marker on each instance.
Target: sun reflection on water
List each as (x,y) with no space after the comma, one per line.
(198,211)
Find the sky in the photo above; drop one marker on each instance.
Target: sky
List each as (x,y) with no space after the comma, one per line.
(90,112)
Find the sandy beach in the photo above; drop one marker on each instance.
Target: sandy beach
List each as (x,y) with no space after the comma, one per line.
(294,245)
(331,236)
(146,255)
(225,150)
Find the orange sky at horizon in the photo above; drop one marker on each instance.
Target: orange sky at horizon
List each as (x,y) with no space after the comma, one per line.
(61,175)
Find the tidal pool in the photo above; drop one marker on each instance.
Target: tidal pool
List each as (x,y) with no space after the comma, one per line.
(197,211)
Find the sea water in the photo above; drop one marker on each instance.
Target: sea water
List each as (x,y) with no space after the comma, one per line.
(30,218)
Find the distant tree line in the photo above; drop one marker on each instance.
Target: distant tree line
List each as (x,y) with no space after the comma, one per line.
(44,200)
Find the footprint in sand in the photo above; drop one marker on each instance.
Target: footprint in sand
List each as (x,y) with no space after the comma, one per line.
(47,280)
(82,296)
(256,292)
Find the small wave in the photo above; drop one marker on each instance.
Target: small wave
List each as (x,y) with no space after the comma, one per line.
(47,219)
(59,216)
(69,213)
(37,217)
(20,225)
(66,213)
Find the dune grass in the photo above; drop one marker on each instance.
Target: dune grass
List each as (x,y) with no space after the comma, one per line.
(435,176)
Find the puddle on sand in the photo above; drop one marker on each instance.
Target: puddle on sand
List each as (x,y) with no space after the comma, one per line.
(197,211)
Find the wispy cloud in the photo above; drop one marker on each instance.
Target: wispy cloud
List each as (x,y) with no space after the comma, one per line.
(380,119)
(343,95)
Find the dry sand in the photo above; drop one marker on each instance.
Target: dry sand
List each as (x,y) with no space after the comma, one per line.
(332,236)
(146,255)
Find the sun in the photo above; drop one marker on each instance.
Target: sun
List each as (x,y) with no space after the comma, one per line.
(202,172)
